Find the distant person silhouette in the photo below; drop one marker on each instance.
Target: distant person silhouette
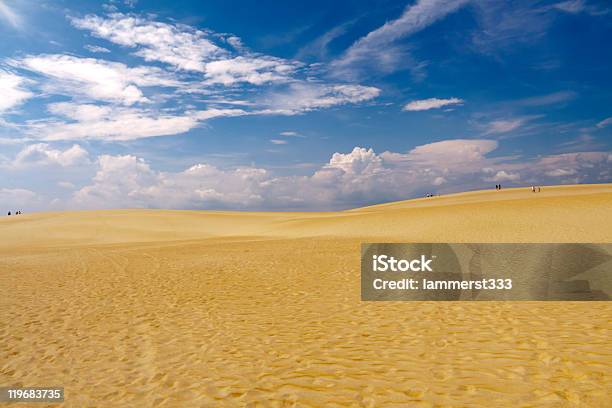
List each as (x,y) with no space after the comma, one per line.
(9,213)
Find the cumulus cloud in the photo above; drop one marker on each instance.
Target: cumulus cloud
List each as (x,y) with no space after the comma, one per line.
(94,78)
(351,179)
(504,176)
(431,103)
(462,154)
(12,90)
(577,167)
(41,154)
(128,181)
(17,198)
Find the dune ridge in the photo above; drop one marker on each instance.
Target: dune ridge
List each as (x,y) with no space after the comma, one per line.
(215,308)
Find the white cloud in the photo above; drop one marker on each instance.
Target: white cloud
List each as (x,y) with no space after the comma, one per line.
(114,102)
(109,123)
(561,172)
(304,96)
(438,181)
(502,25)
(66,184)
(12,91)
(253,70)
(117,123)
(218,113)
(605,122)
(319,47)
(504,176)
(94,78)
(351,179)
(504,125)
(41,154)
(581,6)
(189,49)
(464,154)
(178,45)
(571,6)
(10,16)
(13,199)
(548,99)
(291,133)
(128,181)
(577,166)
(431,103)
(96,48)
(77,121)
(378,45)
(278,141)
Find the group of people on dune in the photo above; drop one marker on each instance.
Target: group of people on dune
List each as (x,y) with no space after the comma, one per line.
(16,213)
(534,189)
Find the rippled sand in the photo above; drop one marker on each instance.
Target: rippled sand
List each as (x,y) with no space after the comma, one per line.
(138,308)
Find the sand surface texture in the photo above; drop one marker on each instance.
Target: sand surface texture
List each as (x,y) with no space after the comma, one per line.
(140,308)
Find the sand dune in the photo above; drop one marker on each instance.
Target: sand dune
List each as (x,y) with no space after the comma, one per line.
(190,308)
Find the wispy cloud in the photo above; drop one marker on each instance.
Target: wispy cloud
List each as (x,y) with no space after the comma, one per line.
(290,133)
(503,25)
(580,6)
(505,125)
(12,90)
(188,49)
(93,78)
(380,46)
(318,48)
(180,46)
(431,103)
(96,48)
(10,16)
(305,96)
(604,123)
(548,99)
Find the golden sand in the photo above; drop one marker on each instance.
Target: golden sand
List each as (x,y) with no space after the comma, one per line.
(139,308)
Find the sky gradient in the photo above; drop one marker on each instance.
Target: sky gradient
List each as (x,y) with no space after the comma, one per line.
(310,106)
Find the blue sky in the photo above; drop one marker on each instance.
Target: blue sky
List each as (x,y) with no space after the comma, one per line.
(297,106)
